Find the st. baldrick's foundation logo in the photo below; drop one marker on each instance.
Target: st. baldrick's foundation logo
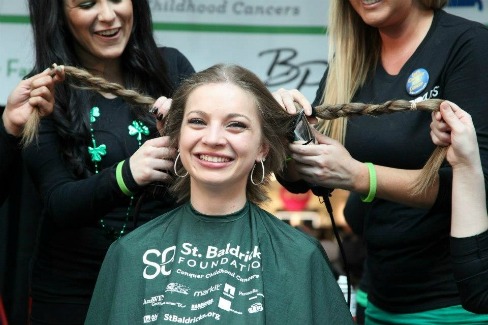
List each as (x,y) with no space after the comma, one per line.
(191,257)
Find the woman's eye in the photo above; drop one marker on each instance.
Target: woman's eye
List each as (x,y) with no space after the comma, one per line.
(237,125)
(196,121)
(86,4)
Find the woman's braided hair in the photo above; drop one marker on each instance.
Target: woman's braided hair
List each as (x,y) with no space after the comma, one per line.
(86,80)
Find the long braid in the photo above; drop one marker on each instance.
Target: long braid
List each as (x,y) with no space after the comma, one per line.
(330,112)
(90,82)
(428,175)
(86,80)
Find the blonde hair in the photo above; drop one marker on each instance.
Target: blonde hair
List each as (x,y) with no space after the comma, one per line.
(354,51)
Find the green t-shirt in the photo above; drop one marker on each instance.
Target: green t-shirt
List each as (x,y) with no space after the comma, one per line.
(244,268)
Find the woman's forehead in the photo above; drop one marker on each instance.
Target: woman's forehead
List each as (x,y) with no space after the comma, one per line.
(221,95)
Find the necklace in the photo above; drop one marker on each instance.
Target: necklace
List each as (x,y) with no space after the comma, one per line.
(137,129)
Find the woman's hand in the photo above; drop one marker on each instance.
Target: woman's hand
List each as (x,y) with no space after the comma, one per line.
(288,98)
(328,164)
(453,126)
(36,92)
(160,110)
(153,161)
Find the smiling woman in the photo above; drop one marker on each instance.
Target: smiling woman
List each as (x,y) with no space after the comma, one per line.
(94,159)
(219,258)
(389,50)
(101,29)
(220,141)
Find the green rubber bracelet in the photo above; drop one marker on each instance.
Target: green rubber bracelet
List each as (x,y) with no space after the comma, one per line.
(372,184)
(120,179)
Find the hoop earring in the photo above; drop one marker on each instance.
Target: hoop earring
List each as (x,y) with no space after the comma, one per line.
(174,166)
(262,176)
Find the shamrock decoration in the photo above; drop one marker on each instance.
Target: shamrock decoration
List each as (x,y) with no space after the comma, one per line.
(96,153)
(94,113)
(138,128)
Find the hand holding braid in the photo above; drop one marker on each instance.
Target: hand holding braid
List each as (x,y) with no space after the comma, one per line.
(429,172)
(80,78)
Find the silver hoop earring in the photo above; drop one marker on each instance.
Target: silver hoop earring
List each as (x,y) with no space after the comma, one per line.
(262,176)
(174,166)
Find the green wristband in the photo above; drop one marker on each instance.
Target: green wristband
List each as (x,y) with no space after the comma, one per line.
(372,184)
(120,179)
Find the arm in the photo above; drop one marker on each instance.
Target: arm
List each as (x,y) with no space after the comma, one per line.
(66,198)
(35,93)
(459,77)
(469,243)
(10,155)
(454,126)
(329,164)
(29,95)
(316,165)
(73,201)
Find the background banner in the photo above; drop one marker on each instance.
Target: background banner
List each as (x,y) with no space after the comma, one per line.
(284,42)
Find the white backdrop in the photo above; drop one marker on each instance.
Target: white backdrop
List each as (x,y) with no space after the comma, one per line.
(283,41)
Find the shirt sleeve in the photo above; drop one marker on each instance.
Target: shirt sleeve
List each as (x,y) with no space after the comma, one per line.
(9,157)
(470,267)
(179,67)
(68,200)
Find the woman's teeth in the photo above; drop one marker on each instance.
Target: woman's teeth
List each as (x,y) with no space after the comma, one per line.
(214,159)
(109,32)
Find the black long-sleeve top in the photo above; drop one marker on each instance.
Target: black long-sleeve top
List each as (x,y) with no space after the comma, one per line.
(470,265)
(9,157)
(72,242)
(408,249)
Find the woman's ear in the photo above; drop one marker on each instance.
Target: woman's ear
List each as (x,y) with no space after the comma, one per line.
(263,153)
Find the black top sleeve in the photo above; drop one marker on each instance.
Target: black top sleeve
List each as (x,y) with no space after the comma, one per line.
(178,65)
(9,157)
(470,266)
(67,199)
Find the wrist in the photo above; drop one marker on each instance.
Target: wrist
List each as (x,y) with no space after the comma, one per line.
(119,176)
(360,179)
(10,127)
(371,193)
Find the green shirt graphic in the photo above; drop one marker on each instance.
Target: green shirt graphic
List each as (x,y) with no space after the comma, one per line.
(244,268)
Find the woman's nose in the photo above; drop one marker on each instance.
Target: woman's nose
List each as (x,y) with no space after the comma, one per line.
(214,136)
(106,12)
